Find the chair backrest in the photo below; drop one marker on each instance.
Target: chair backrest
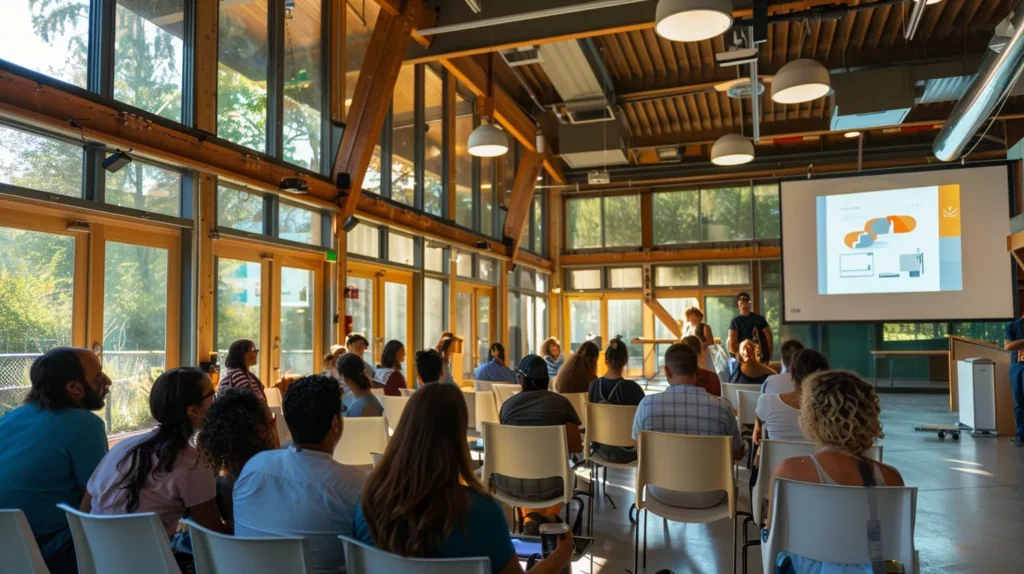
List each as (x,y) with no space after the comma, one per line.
(579,402)
(393,407)
(480,386)
(18,546)
(283,434)
(502,393)
(122,544)
(360,437)
(363,559)
(377,392)
(747,406)
(406,392)
(610,425)
(470,397)
(486,411)
(729,391)
(685,463)
(838,535)
(222,554)
(273,397)
(376,456)
(527,452)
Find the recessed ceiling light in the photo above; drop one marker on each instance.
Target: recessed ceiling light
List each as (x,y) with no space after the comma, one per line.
(800,81)
(732,149)
(692,20)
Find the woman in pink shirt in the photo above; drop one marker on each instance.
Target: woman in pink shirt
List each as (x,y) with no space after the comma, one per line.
(161,471)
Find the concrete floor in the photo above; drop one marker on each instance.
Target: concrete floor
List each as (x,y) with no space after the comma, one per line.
(970,506)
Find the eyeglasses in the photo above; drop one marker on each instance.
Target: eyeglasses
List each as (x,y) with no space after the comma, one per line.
(253,350)
(743,300)
(208,395)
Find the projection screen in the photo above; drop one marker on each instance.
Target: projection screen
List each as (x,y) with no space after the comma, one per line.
(922,246)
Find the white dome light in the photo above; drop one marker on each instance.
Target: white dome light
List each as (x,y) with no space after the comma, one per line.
(732,149)
(692,20)
(851,135)
(488,140)
(800,81)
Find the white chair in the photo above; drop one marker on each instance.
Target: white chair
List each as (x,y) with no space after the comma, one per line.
(376,456)
(470,396)
(18,546)
(360,437)
(283,434)
(218,553)
(502,393)
(800,526)
(486,411)
(122,544)
(393,407)
(364,559)
(610,425)
(527,453)
(730,390)
(686,464)
(273,397)
(579,403)
(746,415)
(480,386)
(377,392)
(406,392)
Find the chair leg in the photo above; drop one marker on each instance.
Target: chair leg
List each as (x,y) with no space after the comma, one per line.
(645,538)
(733,547)
(636,545)
(593,500)
(632,520)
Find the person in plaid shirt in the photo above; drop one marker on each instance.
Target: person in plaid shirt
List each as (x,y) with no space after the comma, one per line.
(685,408)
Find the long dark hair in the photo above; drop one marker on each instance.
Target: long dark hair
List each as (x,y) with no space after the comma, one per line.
(580,369)
(415,497)
(616,355)
(172,393)
(236,354)
(388,357)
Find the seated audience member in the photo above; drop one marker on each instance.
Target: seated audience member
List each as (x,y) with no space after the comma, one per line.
(238,426)
(613,389)
(579,370)
(686,409)
(750,371)
(389,375)
(551,350)
(707,380)
(495,370)
(364,402)
(357,345)
(52,445)
(783,382)
(536,406)
(429,366)
(780,413)
(242,355)
(446,347)
(329,360)
(161,471)
(423,500)
(302,490)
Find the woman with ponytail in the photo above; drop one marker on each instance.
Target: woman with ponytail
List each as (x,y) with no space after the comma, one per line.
(161,471)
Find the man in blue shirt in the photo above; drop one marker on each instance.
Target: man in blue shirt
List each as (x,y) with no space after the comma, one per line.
(495,371)
(1015,343)
(52,445)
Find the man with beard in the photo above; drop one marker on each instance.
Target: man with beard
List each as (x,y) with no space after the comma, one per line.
(51,446)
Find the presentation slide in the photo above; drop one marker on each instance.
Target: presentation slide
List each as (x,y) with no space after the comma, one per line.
(912,246)
(890,241)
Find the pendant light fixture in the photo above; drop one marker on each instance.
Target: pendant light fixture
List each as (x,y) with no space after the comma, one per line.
(732,149)
(800,81)
(488,140)
(692,20)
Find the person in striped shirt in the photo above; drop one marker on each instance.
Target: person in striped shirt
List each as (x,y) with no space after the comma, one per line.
(242,355)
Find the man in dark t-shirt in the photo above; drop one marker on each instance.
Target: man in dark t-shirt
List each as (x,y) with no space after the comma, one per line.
(750,325)
(1015,342)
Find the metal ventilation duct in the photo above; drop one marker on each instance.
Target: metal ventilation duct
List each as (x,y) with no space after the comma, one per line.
(998,74)
(578,74)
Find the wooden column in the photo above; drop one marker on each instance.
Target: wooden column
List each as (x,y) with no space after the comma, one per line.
(522,198)
(647,220)
(205,267)
(205,65)
(372,98)
(555,232)
(341,276)
(671,323)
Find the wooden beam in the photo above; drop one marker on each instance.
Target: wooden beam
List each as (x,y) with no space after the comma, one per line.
(204,62)
(506,111)
(372,98)
(672,256)
(206,305)
(647,220)
(521,203)
(674,325)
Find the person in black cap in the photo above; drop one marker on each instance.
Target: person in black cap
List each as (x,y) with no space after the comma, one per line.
(750,325)
(537,406)
(364,404)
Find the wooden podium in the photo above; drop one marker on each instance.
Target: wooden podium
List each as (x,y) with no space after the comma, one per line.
(961,348)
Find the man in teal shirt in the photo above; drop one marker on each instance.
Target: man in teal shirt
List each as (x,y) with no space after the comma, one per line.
(52,445)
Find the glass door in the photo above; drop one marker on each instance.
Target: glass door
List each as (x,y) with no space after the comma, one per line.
(474,322)
(380,306)
(296,321)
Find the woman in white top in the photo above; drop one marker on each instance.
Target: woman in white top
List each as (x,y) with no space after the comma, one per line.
(696,327)
(780,413)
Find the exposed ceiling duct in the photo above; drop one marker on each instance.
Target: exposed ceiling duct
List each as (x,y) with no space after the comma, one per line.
(999,72)
(577,72)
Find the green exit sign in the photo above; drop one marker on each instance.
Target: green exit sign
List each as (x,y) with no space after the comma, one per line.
(331,256)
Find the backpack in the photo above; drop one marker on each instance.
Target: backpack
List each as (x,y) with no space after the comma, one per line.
(600,391)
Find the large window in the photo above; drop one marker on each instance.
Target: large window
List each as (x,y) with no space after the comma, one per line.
(766,212)
(603,222)
(297,310)
(622,221)
(625,318)
(303,85)
(487,194)
(726,214)
(538,224)
(677,275)
(360,20)
(676,306)
(239,302)
(914,331)
(145,187)
(364,240)
(464,122)
(239,209)
(148,56)
(435,304)
(676,217)
(36,162)
(299,224)
(718,314)
(48,37)
(433,165)
(403,137)
(583,217)
(401,248)
(360,308)
(721,274)
(242,67)
(584,322)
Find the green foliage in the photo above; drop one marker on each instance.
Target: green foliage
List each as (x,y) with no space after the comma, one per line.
(726,214)
(622,221)
(239,209)
(36,290)
(767,223)
(583,216)
(140,44)
(676,217)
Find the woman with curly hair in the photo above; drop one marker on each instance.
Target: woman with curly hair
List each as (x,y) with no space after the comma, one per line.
(580,370)
(238,426)
(551,351)
(839,412)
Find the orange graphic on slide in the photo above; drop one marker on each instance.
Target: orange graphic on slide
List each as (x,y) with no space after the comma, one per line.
(879,226)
